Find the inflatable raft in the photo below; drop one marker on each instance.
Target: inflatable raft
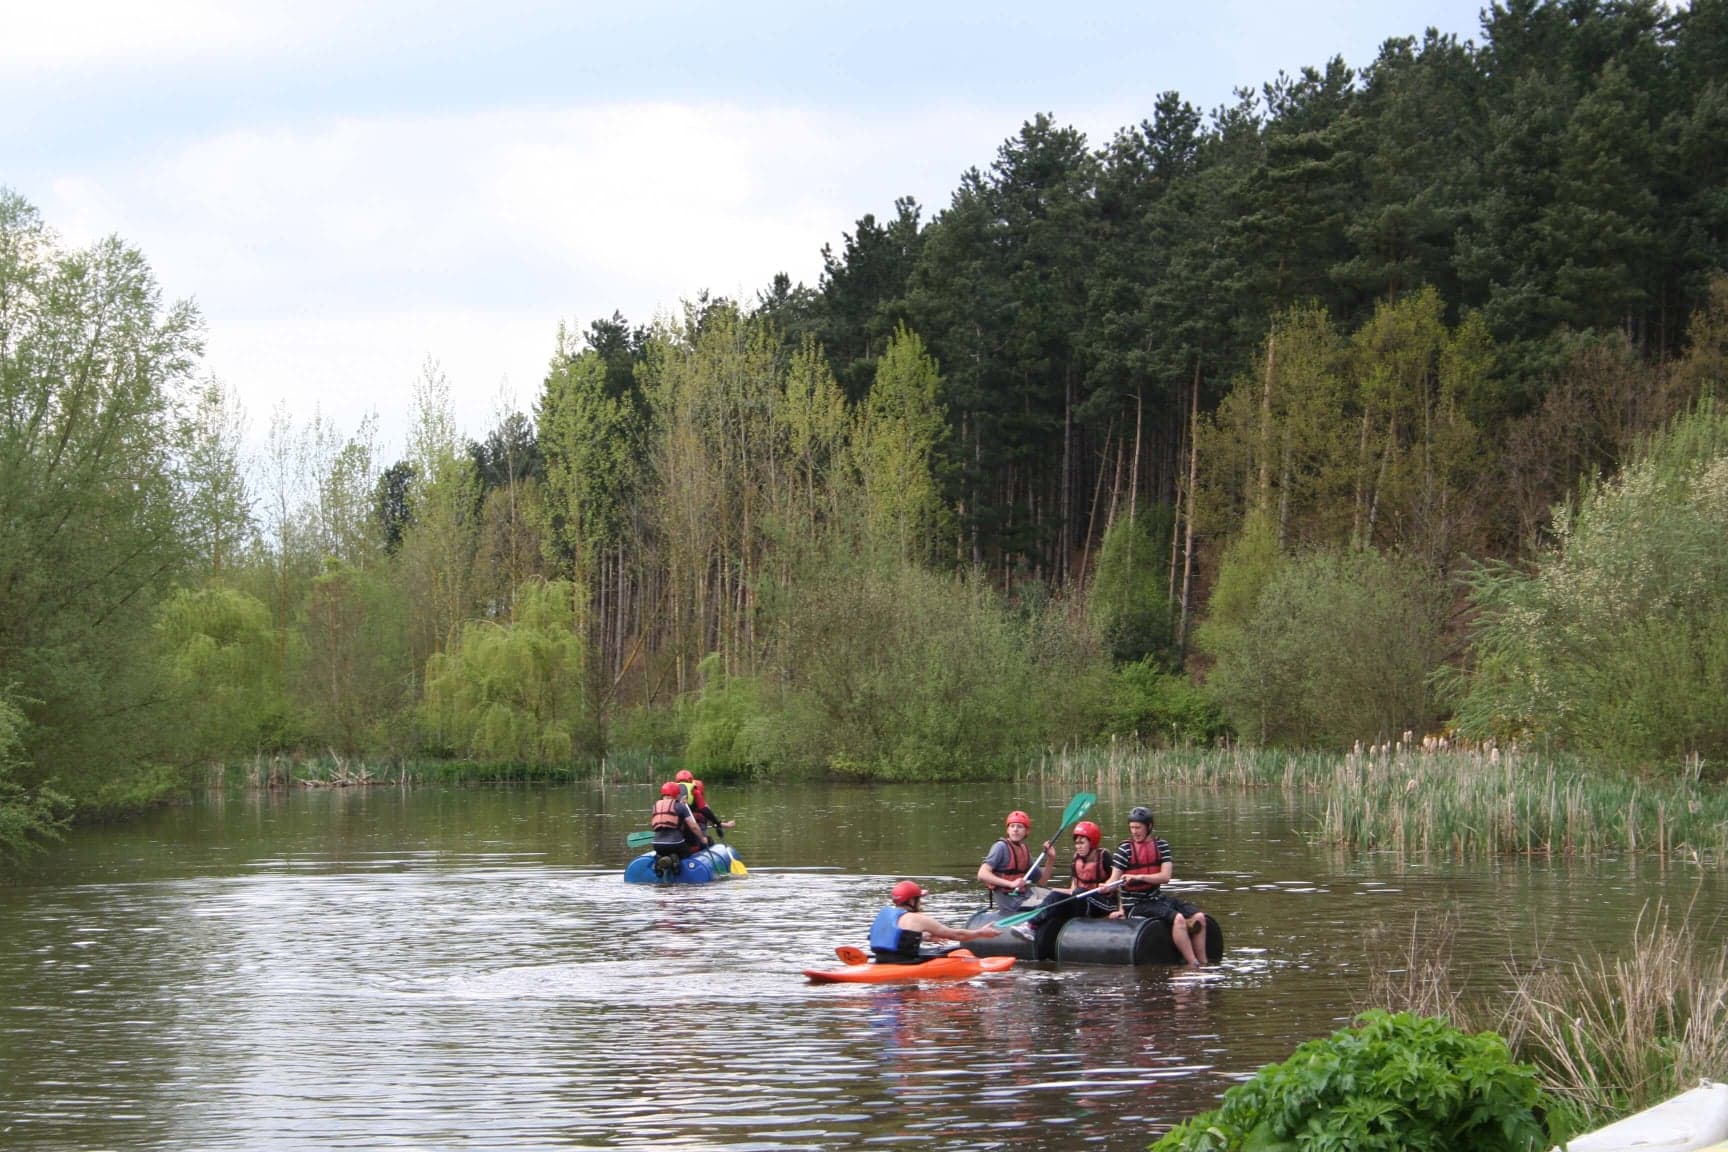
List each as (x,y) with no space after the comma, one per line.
(1070,940)
(957,965)
(714,863)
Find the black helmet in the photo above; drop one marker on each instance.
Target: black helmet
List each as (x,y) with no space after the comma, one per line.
(1140,814)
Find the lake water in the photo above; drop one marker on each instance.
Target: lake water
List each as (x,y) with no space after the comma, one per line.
(464,968)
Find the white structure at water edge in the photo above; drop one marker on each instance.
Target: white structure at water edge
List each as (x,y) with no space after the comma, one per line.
(1695,1121)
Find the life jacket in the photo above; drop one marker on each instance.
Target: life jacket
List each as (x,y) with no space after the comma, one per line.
(1091,871)
(1144,859)
(1019,860)
(689,791)
(889,941)
(665,816)
(699,796)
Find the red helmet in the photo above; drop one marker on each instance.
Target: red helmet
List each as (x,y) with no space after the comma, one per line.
(907,891)
(670,789)
(1089,830)
(1019,817)
(684,776)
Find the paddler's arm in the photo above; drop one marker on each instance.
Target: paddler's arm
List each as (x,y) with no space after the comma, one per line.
(930,926)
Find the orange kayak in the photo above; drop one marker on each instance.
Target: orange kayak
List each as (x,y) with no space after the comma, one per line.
(961,965)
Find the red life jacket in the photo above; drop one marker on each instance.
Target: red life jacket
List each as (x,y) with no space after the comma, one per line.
(1144,854)
(665,815)
(701,797)
(1091,871)
(1019,860)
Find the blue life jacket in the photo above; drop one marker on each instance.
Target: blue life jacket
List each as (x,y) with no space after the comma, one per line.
(887,939)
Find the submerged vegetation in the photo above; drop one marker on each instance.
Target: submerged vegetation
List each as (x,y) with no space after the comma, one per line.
(1303,424)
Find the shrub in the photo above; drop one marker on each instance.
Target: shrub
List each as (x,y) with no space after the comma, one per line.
(1392,1082)
(1339,646)
(218,650)
(727,722)
(513,693)
(1161,707)
(1618,643)
(27,818)
(1129,604)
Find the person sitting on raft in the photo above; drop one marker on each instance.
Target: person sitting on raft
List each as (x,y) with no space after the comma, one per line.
(1143,863)
(674,826)
(897,936)
(1004,871)
(1091,869)
(698,802)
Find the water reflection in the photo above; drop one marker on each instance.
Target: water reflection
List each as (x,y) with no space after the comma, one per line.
(447,968)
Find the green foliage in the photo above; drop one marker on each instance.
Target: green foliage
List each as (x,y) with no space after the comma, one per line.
(727,734)
(899,429)
(1340,647)
(27,818)
(1398,1083)
(1251,560)
(1618,642)
(93,529)
(1129,602)
(219,658)
(1160,707)
(513,692)
(350,660)
(899,672)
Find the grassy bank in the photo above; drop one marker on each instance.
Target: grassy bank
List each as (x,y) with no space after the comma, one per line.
(1407,798)
(1609,1035)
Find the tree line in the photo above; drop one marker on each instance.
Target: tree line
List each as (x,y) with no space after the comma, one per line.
(1222,425)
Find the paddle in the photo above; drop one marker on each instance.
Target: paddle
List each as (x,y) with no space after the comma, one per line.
(851,955)
(1022,917)
(1077,807)
(640,839)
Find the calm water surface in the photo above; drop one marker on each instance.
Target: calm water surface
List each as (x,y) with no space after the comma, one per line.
(450,968)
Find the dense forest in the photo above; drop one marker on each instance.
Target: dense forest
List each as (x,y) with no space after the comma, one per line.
(1373,401)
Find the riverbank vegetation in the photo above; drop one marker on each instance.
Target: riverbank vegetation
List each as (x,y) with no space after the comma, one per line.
(1375,401)
(1607,1035)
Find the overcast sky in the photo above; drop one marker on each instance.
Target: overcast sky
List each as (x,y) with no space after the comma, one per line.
(349,189)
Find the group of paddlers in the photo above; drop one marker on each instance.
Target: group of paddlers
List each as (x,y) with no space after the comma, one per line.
(681,821)
(1125,883)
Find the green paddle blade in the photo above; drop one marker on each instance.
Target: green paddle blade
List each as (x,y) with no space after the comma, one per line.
(1077,807)
(1017,918)
(639,839)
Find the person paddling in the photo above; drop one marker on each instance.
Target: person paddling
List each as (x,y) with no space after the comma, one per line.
(1091,869)
(698,802)
(1142,862)
(897,936)
(677,833)
(1005,871)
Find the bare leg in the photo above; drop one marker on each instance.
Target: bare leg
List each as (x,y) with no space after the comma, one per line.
(1179,937)
(1197,933)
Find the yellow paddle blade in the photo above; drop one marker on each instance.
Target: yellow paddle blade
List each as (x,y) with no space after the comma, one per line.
(737,868)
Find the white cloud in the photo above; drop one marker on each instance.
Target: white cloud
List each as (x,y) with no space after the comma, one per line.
(71,34)
(331,261)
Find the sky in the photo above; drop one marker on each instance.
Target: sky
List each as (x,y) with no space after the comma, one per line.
(351,192)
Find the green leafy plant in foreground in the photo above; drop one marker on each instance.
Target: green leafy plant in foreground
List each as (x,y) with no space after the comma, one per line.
(1392,1082)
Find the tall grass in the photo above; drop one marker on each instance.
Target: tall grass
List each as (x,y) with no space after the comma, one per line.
(1609,1035)
(333,771)
(1423,798)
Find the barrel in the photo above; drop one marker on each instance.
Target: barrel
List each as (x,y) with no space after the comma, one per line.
(1004,944)
(1130,941)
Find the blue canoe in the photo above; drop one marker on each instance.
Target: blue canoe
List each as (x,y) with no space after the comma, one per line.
(714,863)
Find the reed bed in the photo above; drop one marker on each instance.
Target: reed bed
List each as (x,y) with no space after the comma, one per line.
(1608,1035)
(271,773)
(1426,798)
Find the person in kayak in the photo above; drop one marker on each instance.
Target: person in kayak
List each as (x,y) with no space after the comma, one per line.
(1004,871)
(897,936)
(674,826)
(1142,862)
(698,802)
(1090,870)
